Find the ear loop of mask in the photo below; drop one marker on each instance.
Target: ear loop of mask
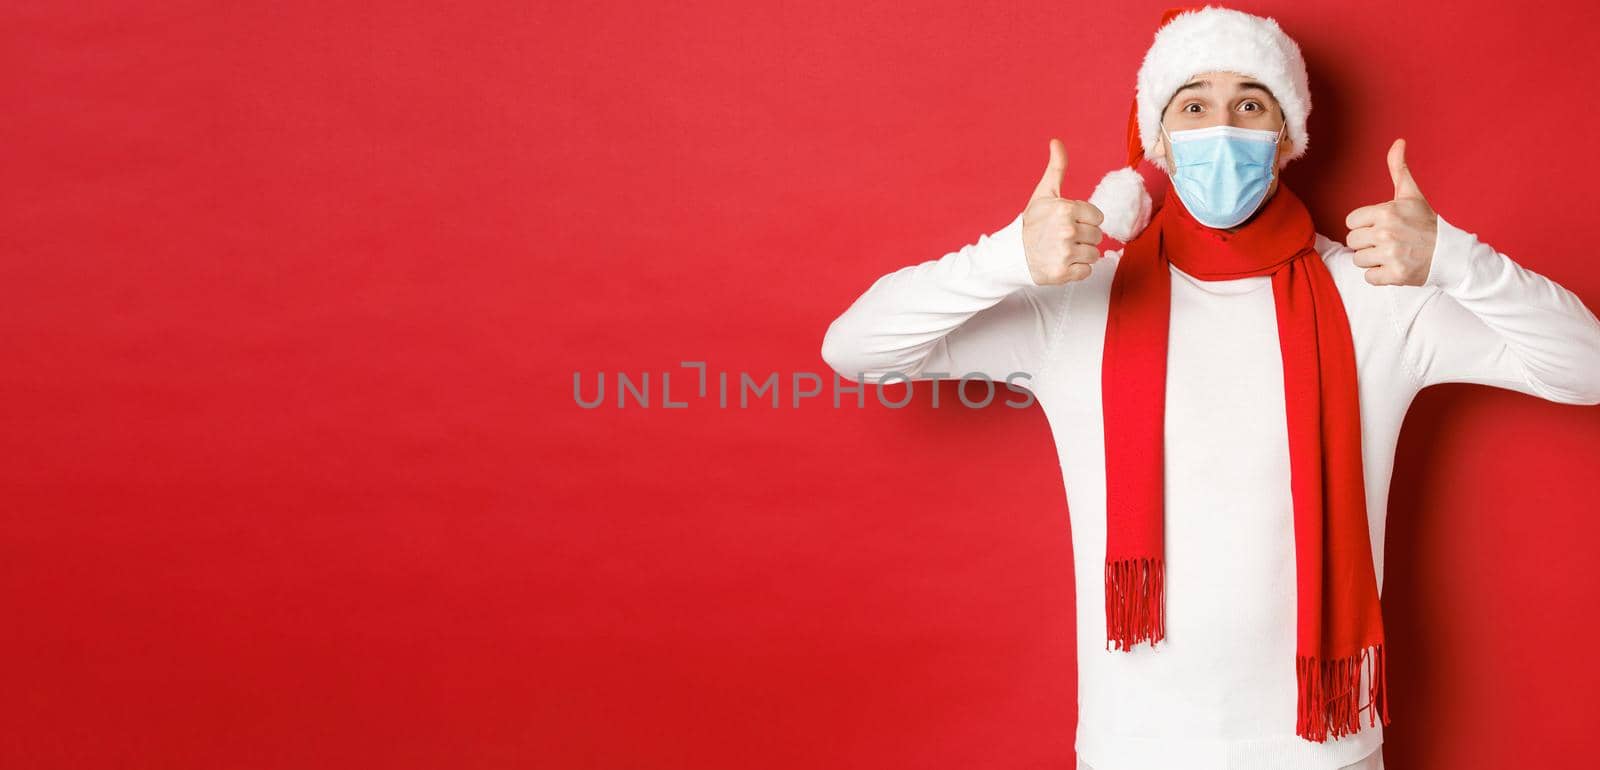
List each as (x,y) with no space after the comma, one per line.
(1283,133)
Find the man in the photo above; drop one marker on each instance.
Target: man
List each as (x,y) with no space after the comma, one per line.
(1226,393)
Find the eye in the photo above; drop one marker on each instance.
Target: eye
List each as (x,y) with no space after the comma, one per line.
(1253,103)
(1195,105)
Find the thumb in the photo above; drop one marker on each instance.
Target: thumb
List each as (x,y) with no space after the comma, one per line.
(1404,185)
(1050,184)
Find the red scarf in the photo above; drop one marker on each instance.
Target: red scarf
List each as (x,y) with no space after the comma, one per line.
(1340,622)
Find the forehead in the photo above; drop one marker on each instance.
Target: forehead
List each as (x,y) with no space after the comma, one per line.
(1219,84)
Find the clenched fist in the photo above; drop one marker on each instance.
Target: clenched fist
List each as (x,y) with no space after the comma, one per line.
(1394,240)
(1060,236)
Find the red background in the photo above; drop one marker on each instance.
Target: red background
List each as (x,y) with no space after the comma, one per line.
(294,294)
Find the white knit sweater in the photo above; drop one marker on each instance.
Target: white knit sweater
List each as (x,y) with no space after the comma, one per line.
(1219,692)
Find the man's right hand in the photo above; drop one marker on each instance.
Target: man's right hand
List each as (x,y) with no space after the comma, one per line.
(1060,236)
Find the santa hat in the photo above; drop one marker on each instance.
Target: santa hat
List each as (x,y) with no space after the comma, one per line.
(1189,41)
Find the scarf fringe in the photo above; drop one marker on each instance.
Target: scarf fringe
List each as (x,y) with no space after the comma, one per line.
(1135,601)
(1328,705)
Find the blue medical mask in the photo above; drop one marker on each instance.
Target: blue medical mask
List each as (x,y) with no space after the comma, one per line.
(1222,172)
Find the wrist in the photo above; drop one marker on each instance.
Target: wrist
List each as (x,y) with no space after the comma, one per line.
(1007,258)
(1452,250)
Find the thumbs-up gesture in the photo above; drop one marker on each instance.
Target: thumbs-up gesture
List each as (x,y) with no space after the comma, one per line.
(1394,240)
(1061,237)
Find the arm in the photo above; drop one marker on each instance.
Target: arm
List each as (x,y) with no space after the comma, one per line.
(976,309)
(989,308)
(1479,317)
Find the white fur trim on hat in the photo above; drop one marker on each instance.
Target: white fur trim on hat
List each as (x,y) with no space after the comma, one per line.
(1123,199)
(1216,39)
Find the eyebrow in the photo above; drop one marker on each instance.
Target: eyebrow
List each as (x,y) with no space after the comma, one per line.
(1248,84)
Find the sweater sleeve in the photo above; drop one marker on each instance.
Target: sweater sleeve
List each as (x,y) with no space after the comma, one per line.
(974,310)
(1481,318)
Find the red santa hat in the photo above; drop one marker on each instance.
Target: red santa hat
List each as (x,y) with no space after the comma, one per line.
(1189,41)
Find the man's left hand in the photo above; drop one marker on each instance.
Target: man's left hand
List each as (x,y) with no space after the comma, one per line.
(1394,240)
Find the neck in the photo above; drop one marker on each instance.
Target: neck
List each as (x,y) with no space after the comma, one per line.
(1280,229)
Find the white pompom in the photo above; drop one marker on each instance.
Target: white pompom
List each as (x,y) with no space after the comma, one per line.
(1124,201)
